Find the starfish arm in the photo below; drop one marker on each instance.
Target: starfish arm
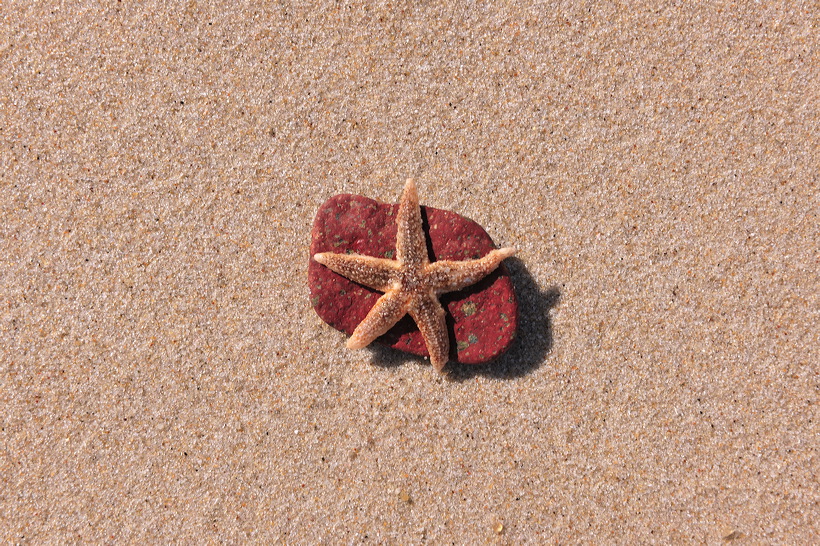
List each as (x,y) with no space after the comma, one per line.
(411,246)
(429,315)
(447,276)
(389,309)
(375,273)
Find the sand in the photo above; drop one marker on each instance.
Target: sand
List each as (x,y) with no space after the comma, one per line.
(163,377)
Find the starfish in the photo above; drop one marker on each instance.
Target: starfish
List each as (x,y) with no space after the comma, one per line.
(410,283)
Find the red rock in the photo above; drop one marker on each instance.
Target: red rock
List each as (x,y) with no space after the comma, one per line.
(482,317)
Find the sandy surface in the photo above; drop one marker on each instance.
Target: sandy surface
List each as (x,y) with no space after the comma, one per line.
(163,376)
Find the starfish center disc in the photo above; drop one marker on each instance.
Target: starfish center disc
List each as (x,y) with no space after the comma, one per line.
(411,279)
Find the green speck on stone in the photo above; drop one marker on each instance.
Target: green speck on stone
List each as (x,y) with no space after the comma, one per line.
(389,254)
(461,345)
(504,317)
(342,292)
(473,339)
(468,308)
(314,301)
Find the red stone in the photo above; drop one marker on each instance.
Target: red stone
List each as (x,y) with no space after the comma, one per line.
(481,319)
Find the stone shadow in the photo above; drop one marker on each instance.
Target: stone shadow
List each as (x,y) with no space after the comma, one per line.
(534,338)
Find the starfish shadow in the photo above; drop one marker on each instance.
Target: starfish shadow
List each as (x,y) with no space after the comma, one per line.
(533,340)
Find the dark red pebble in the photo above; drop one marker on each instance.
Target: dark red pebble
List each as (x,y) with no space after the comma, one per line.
(482,318)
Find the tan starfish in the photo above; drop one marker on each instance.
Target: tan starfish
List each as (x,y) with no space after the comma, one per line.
(411,284)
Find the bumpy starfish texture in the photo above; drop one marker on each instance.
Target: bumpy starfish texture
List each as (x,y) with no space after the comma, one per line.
(410,283)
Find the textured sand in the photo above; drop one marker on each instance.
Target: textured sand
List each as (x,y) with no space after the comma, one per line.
(164,378)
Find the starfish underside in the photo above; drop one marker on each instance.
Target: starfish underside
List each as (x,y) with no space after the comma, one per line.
(411,283)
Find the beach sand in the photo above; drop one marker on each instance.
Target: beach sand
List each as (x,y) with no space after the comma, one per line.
(163,376)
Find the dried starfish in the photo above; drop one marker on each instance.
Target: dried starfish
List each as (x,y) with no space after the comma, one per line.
(411,283)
